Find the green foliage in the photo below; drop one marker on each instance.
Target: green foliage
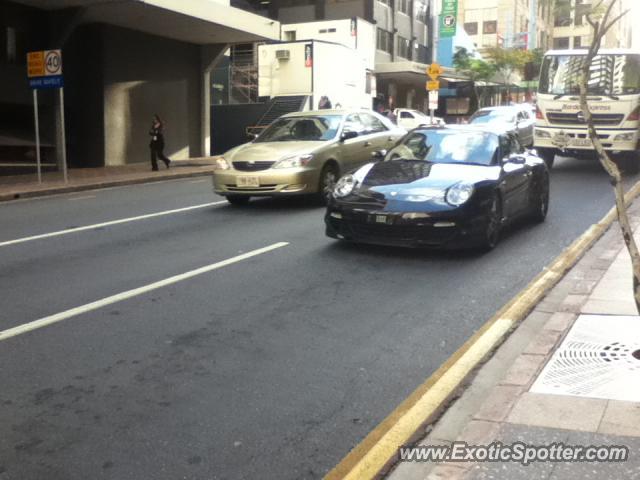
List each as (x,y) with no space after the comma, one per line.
(474,69)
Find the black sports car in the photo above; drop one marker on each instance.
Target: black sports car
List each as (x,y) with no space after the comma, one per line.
(441,187)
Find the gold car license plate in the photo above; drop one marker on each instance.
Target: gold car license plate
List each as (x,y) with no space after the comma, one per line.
(247,181)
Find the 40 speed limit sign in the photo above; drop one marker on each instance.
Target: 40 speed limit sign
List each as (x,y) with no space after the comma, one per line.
(44,69)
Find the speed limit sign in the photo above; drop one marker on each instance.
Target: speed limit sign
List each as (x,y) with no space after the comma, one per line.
(52,62)
(44,69)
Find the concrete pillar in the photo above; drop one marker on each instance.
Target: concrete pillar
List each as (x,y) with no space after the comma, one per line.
(210,56)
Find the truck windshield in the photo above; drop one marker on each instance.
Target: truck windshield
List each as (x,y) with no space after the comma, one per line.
(608,75)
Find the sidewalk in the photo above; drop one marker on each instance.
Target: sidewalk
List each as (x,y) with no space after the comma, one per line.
(569,373)
(24,186)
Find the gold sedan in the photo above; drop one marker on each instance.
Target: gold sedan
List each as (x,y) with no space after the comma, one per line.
(302,153)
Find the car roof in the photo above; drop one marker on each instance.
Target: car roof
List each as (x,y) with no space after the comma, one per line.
(505,108)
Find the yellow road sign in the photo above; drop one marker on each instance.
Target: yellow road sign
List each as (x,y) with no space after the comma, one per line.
(35,64)
(44,63)
(433,85)
(434,71)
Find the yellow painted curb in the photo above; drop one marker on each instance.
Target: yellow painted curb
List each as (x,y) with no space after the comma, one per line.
(378,451)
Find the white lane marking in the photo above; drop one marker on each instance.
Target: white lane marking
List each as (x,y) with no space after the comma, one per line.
(81,198)
(108,224)
(59,317)
(199,181)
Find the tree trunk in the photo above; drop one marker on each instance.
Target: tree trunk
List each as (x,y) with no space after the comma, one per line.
(599,30)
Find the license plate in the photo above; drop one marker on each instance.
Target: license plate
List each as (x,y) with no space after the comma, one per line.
(580,142)
(247,181)
(381,219)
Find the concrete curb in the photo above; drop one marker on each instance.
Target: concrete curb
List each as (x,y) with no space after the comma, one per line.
(405,425)
(4,197)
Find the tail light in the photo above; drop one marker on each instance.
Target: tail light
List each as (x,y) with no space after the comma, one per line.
(635,115)
(539,115)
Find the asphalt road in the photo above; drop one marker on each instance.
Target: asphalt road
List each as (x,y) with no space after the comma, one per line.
(269,367)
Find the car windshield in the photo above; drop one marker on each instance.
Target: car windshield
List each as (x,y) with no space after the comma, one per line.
(488,116)
(300,129)
(447,146)
(608,75)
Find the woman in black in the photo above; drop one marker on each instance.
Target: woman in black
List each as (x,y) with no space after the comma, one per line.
(157,143)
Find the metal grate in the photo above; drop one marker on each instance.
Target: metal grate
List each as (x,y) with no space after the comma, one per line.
(574,119)
(252,166)
(599,358)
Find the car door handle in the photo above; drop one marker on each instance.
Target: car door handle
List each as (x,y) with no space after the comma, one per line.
(367,144)
(528,174)
(390,139)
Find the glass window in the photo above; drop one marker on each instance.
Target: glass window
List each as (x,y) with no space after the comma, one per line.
(561,43)
(447,146)
(490,27)
(608,75)
(371,124)
(504,115)
(384,41)
(471,28)
(420,7)
(311,128)
(354,124)
(404,6)
(404,47)
(406,115)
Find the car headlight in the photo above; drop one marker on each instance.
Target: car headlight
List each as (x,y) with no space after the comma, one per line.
(222,164)
(293,162)
(542,133)
(459,194)
(624,137)
(344,186)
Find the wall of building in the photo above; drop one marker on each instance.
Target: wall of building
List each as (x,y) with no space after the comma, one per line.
(143,75)
(84,83)
(284,77)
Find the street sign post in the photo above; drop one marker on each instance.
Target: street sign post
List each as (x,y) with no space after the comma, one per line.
(44,71)
(433,72)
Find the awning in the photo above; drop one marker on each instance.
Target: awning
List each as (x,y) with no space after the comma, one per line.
(193,21)
(415,73)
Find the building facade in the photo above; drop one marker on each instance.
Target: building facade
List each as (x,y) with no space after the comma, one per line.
(525,24)
(123,61)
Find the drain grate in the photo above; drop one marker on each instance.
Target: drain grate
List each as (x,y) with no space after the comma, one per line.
(599,358)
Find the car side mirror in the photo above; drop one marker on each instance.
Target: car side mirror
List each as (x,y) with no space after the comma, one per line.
(378,155)
(347,135)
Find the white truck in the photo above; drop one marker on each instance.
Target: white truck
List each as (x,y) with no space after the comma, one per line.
(614,101)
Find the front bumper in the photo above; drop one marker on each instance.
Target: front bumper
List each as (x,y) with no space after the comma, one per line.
(451,229)
(578,139)
(271,182)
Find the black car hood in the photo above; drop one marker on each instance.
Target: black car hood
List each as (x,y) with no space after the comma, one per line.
(393,183)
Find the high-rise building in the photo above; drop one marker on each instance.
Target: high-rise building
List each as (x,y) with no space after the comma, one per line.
(572,30)
(522,24)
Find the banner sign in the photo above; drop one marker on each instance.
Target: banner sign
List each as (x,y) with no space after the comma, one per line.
(448,18)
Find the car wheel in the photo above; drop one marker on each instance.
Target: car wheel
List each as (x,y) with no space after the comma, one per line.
(541,206)
(328,179)
(238,199)
(548,156)
(491,235)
